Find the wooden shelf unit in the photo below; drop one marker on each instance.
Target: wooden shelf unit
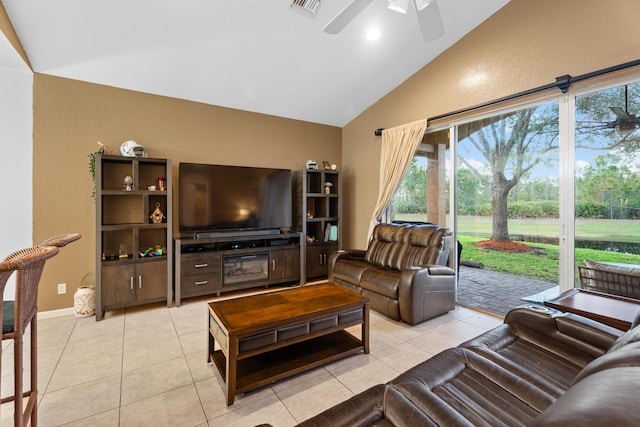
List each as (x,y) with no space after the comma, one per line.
(125,230)
(316,211)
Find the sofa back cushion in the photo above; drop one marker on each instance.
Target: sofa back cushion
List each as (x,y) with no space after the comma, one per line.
(631,336)
(624,352)
(397,246)
(626,356)
(386,248)
(427,245)
(606,398)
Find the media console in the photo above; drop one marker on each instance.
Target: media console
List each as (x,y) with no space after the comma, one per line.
(205,266)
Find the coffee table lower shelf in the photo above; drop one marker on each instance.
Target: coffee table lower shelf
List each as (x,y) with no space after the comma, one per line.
(262,369)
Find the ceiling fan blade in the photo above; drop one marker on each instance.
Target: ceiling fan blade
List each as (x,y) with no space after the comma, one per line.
(347,15)
(587,125)
(430,21)
(620,113)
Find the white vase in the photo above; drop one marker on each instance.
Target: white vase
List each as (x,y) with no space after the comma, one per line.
(84,301)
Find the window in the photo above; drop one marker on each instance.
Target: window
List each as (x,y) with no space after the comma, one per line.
(422,196)
(528,178)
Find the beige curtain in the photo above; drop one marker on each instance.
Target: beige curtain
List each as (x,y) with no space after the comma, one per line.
(399,145)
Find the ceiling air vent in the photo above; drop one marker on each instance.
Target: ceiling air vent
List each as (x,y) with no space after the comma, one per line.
(308,7)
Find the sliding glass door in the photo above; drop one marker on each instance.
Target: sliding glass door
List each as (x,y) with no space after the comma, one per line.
(534,192)
(607,175)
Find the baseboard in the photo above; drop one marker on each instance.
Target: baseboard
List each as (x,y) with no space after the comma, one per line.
(70,311)
(56,313)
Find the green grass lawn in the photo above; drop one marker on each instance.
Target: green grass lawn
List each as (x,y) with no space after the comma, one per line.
(542,263)
(617,230)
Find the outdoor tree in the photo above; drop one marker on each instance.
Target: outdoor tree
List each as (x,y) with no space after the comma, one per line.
(610,183)
(510,145)
(605,122)
(412,195)
(469,192)
(501,154)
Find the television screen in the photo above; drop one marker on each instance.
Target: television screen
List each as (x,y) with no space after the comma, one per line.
(219,197)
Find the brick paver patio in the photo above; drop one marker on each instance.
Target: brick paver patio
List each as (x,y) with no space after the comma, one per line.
(497,292)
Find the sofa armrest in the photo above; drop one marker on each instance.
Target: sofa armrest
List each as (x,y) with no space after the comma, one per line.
(362,409)
(425,292)
(347,254)
(343,254)
(579,332)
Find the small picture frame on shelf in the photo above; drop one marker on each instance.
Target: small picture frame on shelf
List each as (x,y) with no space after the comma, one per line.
(326,165)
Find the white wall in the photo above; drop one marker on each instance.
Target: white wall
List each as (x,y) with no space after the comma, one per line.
(16,148)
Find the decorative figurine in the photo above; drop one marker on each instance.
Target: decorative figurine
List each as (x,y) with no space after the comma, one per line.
(155,251)
(157,216)
(327,187)
(162,184)
(128,183)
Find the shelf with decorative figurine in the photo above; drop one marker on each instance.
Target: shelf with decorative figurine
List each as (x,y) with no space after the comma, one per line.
(317,216)
(133,232)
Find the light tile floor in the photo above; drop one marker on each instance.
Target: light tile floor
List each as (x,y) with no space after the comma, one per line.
(147,367)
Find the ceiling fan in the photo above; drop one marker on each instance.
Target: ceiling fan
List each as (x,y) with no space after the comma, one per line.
(625,122)
(427,12)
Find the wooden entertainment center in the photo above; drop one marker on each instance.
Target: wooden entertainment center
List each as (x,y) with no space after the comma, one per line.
(212,265)
(219,250)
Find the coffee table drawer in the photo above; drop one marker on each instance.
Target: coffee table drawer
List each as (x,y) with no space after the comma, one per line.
(324,323)
(257,341)
(292,332)
(351,317)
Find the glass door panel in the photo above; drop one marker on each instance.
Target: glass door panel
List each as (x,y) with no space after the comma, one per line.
(607,176)
(507,193)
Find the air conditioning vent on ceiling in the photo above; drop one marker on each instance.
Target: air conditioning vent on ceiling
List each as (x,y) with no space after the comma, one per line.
(308,7)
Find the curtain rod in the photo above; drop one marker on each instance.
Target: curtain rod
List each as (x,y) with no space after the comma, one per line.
(562,83)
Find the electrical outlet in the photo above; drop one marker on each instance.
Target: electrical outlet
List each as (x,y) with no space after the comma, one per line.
(62,288)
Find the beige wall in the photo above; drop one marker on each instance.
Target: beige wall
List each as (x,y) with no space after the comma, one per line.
(526,44)
(70,116)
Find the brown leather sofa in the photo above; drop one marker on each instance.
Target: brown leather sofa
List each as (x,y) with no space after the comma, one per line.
(540,368)
(403,271)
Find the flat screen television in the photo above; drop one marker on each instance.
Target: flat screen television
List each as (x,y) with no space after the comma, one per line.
(221,198)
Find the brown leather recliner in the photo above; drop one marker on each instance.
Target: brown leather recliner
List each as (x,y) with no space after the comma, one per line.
(537,369)
(403,271)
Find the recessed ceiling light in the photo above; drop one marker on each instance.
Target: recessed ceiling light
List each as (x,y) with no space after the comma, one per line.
(373,34)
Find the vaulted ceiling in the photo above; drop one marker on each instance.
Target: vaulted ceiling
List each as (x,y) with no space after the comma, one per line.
(254,55)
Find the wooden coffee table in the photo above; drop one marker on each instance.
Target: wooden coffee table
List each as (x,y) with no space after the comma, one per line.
(256,340)
(611,310)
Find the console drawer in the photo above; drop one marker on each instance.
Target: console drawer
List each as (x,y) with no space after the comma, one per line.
(200,284)
(200,264)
